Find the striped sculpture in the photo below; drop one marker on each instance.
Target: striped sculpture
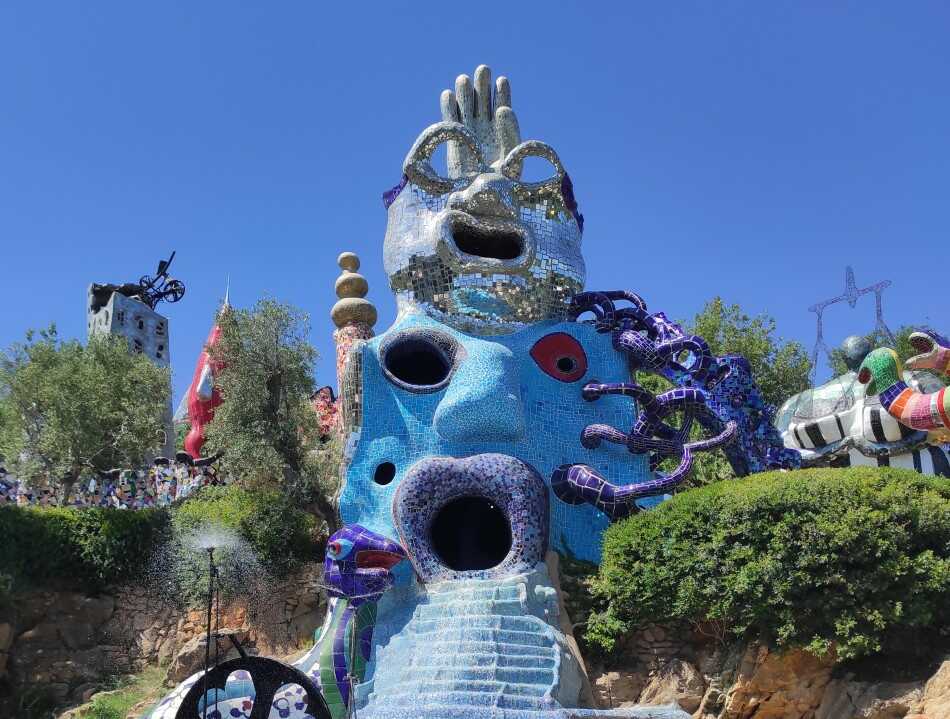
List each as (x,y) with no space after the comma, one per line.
(882,373)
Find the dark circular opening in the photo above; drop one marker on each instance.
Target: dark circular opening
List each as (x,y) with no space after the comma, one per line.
(471,533)
(488,242)
(384,473)
(566,364)
(417,361)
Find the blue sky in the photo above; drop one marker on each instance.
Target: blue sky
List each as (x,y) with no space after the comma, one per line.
(748,150)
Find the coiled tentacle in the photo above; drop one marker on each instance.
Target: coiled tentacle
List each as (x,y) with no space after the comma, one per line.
(580,483)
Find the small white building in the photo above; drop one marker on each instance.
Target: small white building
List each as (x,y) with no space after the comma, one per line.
(144,329)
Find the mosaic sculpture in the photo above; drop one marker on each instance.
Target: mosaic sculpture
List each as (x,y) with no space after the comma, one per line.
(839,424)
(202,396)
(882,374)
(356,572)
(458,420)
(476,247)
(934,352)
(729,391)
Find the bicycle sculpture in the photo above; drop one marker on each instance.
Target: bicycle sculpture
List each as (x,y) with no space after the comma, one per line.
(148,290)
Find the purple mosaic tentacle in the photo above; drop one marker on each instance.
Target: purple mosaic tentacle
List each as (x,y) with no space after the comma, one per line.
(653,344)
(579,483)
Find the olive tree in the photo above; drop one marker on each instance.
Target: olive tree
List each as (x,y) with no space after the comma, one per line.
(266,426)
(68,407)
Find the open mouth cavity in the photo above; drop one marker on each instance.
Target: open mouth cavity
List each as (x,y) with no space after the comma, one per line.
(479,516)
(489,241)
(471,533)
(922,343)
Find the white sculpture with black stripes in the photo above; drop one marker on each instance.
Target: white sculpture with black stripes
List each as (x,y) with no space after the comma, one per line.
(836,424)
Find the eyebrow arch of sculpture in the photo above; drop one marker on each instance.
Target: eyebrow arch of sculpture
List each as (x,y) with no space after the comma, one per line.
(417,167)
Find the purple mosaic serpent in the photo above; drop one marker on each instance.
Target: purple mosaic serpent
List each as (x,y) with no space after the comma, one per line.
(644,338)
(357,570)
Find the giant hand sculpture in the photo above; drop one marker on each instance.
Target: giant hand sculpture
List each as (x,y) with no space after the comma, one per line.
(477,247)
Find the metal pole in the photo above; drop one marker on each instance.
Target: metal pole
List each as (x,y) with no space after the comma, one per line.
(208,632)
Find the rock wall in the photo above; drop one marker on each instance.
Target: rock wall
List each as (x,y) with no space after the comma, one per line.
(70,642)
(713,679)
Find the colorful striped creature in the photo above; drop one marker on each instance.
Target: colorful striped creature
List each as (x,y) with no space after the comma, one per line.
(881,371)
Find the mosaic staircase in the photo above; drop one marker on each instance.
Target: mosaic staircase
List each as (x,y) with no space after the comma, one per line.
(472,650)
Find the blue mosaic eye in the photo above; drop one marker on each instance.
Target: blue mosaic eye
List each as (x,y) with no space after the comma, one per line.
(339,548)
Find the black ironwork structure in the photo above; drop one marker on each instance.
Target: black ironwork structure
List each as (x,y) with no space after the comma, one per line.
(268,675)
(150,290)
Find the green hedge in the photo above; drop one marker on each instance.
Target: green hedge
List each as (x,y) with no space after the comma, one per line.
(84,547)
(89,548)
(850,558)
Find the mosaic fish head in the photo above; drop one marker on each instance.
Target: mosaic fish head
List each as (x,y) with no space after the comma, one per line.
(879,370)
(358,564)
(476,245)
(933,351)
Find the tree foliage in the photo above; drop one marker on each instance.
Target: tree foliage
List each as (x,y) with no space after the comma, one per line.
(780,368)
(856,559)
(266,424)
(65,406)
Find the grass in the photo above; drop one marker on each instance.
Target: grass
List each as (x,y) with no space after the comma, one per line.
(128,693)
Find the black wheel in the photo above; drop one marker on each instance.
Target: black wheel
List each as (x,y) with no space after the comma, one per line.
(268,676)
(173,291)
(146,281)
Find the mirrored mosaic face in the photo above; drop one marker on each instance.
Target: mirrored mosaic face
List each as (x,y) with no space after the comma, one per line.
(479,248)
(437,392)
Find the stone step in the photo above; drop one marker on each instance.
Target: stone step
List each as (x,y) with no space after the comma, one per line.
(468,607)
(503,622)
(480,694)
(446,687)
(399,649)
(423,640)
(469,657)
(515,675)
(455,711)
(448,592)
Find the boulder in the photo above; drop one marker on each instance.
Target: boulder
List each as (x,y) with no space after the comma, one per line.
(777,685)
(45,635)
(677,682)
(618,689)
(867,700)
(190,658)
(97,610)
(935,702)
(77,635)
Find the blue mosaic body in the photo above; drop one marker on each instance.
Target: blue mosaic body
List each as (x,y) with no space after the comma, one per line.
(497,399)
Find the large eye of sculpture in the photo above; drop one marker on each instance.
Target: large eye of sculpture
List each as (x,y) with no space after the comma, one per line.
(418,164)
(419,360)
(513,167)
(560,356)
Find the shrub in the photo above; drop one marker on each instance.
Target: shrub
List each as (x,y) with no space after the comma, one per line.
(846,558)
(281,534)
(85,547)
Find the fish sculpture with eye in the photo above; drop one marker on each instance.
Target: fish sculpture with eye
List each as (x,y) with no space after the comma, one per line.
(882,374)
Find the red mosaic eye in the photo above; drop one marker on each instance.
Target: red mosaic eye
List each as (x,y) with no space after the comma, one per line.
(560,356)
